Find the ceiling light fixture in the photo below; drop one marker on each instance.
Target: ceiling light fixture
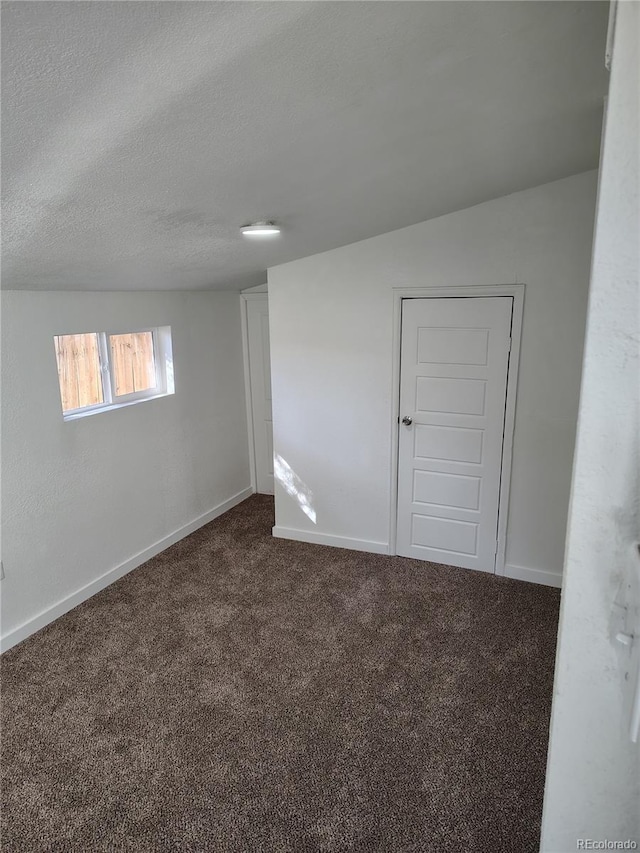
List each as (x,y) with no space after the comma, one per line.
(260,229)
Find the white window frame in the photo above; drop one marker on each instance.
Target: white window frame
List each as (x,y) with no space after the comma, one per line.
(163,360)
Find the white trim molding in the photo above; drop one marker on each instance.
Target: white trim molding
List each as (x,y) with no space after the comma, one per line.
(520,573)
(327,539)
(17,635)
(245,297)
(516,291)
(244,320)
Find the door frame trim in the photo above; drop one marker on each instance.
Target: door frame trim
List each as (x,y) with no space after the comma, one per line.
(517,292)
(245,298)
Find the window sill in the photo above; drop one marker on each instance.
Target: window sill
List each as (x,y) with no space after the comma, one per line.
(98,410)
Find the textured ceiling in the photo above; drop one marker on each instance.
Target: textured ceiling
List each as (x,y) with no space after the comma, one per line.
(138,137)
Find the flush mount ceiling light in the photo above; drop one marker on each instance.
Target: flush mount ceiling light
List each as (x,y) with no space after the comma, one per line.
(260,229)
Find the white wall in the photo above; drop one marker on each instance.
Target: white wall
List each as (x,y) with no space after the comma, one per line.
(593,776)
(331,352)
(83,497)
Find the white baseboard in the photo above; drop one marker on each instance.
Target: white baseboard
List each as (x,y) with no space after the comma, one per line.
(17,635)
(334,541)
(519,573)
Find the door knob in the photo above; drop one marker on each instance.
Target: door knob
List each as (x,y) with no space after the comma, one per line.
(407,421)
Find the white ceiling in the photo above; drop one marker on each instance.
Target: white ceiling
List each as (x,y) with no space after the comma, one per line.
(138,137)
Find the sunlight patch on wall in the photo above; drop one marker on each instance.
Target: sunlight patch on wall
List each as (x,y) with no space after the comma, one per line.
(294,486)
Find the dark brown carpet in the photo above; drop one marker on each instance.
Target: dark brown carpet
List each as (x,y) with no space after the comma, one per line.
(243,693)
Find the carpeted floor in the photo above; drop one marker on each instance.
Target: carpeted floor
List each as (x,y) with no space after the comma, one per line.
(244,693)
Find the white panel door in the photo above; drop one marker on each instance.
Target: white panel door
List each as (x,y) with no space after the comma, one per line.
(453,385)
(260,378)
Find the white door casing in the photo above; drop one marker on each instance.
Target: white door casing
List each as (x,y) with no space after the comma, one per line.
(453,385)
(260,391)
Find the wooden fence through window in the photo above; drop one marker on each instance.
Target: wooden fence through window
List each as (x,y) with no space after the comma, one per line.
(132,362)
(132,366)
(79,370)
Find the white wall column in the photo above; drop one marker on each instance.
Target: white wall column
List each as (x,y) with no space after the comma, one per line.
(593,777)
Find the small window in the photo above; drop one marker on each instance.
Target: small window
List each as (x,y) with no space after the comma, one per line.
(98,371)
